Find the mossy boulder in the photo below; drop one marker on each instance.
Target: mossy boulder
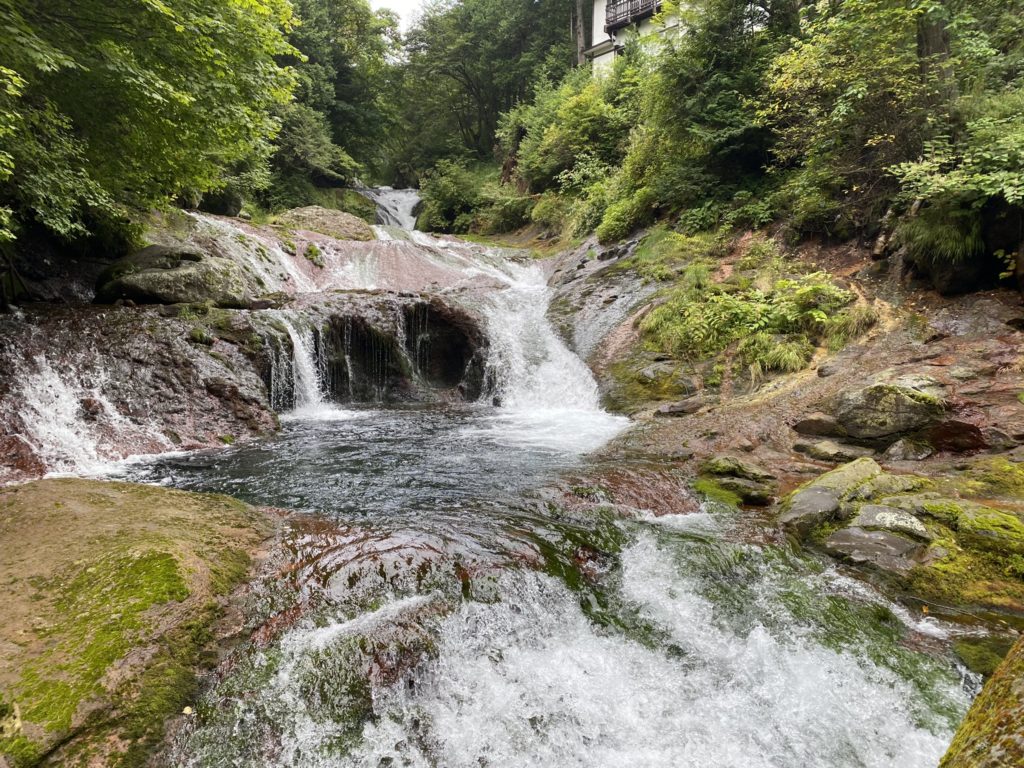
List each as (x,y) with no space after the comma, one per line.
(733,480)
(886,411)
(182,274)
(992,734)
(326,221)
(111,593)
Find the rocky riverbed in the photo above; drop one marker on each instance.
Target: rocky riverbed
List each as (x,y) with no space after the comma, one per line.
(894,456)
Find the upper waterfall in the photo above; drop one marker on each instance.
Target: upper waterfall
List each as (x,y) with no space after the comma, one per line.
(395,207)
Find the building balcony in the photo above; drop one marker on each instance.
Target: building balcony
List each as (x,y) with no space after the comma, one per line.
(622,13)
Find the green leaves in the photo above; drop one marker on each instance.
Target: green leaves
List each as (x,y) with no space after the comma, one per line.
(120,104)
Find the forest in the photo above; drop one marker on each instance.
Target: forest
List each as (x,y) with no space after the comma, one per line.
(851,119)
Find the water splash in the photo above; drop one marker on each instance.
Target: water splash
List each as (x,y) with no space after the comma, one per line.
(69,420)
(309,374)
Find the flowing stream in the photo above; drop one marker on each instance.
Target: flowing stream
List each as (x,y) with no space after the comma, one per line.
(442,609)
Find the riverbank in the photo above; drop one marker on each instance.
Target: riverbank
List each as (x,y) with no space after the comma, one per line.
(114,596)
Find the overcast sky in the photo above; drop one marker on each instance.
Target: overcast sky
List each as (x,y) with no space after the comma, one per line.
(404,8)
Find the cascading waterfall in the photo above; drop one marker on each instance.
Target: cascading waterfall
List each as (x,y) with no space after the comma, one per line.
(548,396)
(395,207)
(308,370)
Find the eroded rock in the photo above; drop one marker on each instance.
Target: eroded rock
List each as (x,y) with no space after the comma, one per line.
(829,450)
(326,221)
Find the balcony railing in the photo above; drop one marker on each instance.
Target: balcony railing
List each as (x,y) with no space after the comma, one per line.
(620,13)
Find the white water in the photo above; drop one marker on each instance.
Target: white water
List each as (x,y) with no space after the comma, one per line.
(395,207)
(309,377)
(51,410)
(548,396)
(529,680)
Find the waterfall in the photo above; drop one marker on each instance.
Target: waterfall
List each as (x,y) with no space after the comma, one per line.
(309,380)
(69,420)
(395,207)
(547,395)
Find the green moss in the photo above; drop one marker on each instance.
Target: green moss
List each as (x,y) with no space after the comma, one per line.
(709,488)
(992,529)
(990,734)
(101,611)
(944,510)
(314,255)
(982,655)
(996,477)
(200,335)
(227,439)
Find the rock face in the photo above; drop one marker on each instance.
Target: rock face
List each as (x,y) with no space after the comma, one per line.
(110,589)
(829,450)
(886,411)
(992,734)
(184,274)
(336,224)
(809,508)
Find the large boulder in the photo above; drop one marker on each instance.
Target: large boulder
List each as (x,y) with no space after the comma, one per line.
(992,734)
(886,411)
(326,221)
(182,274)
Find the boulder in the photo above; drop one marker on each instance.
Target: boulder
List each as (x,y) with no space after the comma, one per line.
(682,408)
(750,492)
(723,465)
(819,425)
(892,519)
(905,449)
(182,274)
(808,508)
(326,221)
(829,450)
(991,529)
(884,550)
(847,478)
(886,410)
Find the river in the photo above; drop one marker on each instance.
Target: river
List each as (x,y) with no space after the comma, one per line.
(439,606)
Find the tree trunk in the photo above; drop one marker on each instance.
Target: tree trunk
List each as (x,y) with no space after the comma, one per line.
(581,39)
(933,52)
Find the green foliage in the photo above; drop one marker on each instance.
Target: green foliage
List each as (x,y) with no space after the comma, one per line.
(665,255)
(775,330)
(939,234)
(114,105)
(467,62)
(626,215)
(451,191)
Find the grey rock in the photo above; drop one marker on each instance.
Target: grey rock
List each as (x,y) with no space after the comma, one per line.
(809,508)
(829,450)
(682,408)
(879,517)
(886,410)
(181,274)
(819,425)
(845,479)
(905,449)
(723,465)
(887,551)
(751,492)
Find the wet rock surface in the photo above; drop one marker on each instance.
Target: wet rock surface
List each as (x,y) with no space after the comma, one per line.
(112,592)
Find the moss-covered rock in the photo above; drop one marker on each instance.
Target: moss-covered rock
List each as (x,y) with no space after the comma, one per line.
(886,411)
(112,590)
(992,734)
(181,274)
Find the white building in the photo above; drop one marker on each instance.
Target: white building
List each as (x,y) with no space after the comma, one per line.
(613,22)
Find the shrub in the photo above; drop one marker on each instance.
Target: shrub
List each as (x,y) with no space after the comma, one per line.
(624,216)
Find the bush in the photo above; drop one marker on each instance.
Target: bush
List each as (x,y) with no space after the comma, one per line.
(450,192)
(625,216)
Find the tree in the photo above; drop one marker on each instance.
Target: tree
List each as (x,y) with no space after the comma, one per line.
(114,105)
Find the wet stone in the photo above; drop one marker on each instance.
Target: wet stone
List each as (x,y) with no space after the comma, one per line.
(879,517)
(884,550)
(829,450)
(808,509)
